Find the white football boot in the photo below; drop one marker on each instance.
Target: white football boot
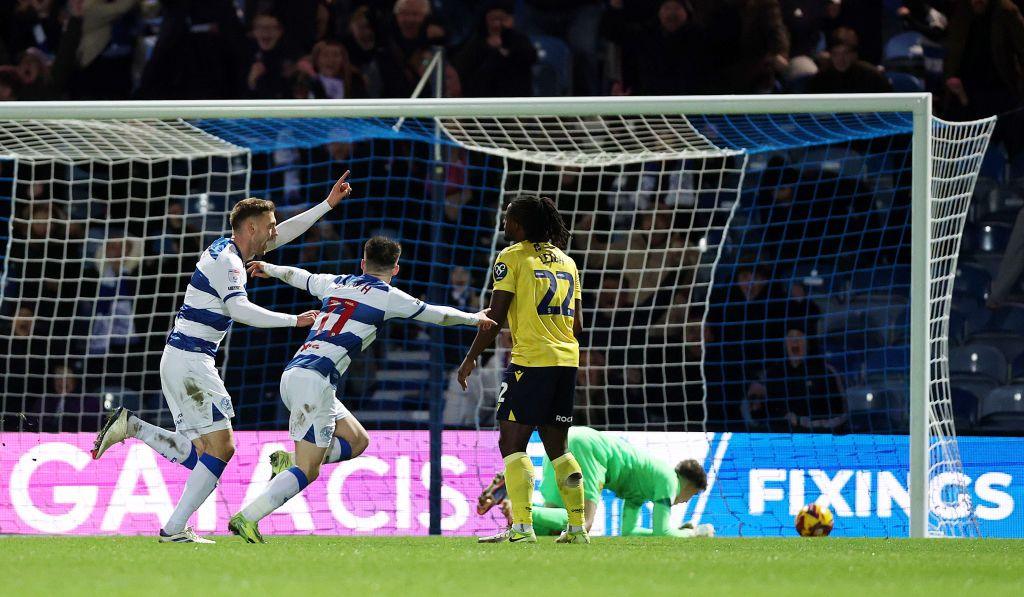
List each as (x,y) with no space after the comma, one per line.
(186,536)
(510,535)
(114,431)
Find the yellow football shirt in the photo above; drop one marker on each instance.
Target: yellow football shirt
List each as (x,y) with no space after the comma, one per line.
(546,285)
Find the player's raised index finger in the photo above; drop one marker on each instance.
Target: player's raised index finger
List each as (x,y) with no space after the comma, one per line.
(344,176)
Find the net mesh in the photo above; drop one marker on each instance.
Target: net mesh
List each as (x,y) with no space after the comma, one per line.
(105,221)
(741,273)
(957,153)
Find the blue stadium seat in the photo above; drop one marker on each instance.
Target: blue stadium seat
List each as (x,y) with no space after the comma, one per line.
(972,279)
(993,236)
(903,48)
(872,409)
(1002,400)
(894,359)
(896,278)
(1001,424)
(978,386)
(1006,319)
(987,261)
(905,83)
(965,408)
(1017,370)
(1009,343)
(978,359)
(552,74)
(957,327)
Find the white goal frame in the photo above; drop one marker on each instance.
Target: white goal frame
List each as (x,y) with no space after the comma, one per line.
(917,104)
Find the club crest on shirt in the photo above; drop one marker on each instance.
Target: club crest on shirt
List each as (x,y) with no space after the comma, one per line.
(234,277)
(500,271)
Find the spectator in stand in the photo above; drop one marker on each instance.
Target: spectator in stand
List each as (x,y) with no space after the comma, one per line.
(661,55)
(272,64)
(925,18)
(322,245)
(172,235)
(806,21)
(23,373)
(10,84)
(302,21)
(802,394)
(34,24)
(497,60)
(985,70)
(199,54)
(578,22)
(591,389)
(1006,284)
(460,296)
(475,406)
(111,284)
(65,407)
(36,80)
(413,29)
(845,71)
(361,42)
(332,75)
(746,46)
(104,48)
(749,317)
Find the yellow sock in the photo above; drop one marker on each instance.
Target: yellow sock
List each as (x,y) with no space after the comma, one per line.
(519,483)
(570,486)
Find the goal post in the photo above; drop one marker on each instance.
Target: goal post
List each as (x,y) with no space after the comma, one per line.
(706,138)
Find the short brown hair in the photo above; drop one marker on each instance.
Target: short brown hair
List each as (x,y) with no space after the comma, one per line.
(247,208)
(381,253)
(692,471)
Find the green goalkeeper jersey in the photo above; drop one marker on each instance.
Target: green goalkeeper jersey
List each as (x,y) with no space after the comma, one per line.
(608,462)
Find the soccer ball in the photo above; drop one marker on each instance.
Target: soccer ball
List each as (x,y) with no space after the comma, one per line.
(814,520)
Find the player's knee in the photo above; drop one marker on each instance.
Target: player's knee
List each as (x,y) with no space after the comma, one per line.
(222,450)
(359,443)
(311,471)
(574,480)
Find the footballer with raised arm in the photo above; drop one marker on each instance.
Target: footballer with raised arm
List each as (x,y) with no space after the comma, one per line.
(634,475)
(200,404)
(353,310)
(537,288)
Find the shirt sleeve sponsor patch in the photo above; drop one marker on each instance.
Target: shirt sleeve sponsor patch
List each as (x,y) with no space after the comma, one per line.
(234,277)
(500,271)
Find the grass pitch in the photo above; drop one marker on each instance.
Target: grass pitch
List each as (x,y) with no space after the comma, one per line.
(459,567)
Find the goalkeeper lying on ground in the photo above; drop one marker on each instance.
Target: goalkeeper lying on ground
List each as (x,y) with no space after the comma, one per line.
(632,474)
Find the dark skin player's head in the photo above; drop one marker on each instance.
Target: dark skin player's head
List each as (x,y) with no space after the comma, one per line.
(535,219)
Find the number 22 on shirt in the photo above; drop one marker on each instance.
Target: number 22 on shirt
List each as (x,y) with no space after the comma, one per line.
(545,307)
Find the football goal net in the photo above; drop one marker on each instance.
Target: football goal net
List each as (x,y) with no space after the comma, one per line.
(766,280)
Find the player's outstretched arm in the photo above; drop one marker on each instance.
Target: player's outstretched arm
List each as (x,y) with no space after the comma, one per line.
(315,284)
(295,226)
(501,300)
(241,310)
(227,276)
(443,315)
(401,305)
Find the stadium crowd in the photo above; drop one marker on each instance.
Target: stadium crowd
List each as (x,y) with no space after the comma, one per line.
(969,52)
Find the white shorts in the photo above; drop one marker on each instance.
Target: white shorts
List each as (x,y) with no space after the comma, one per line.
(314,407)
(195,393)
